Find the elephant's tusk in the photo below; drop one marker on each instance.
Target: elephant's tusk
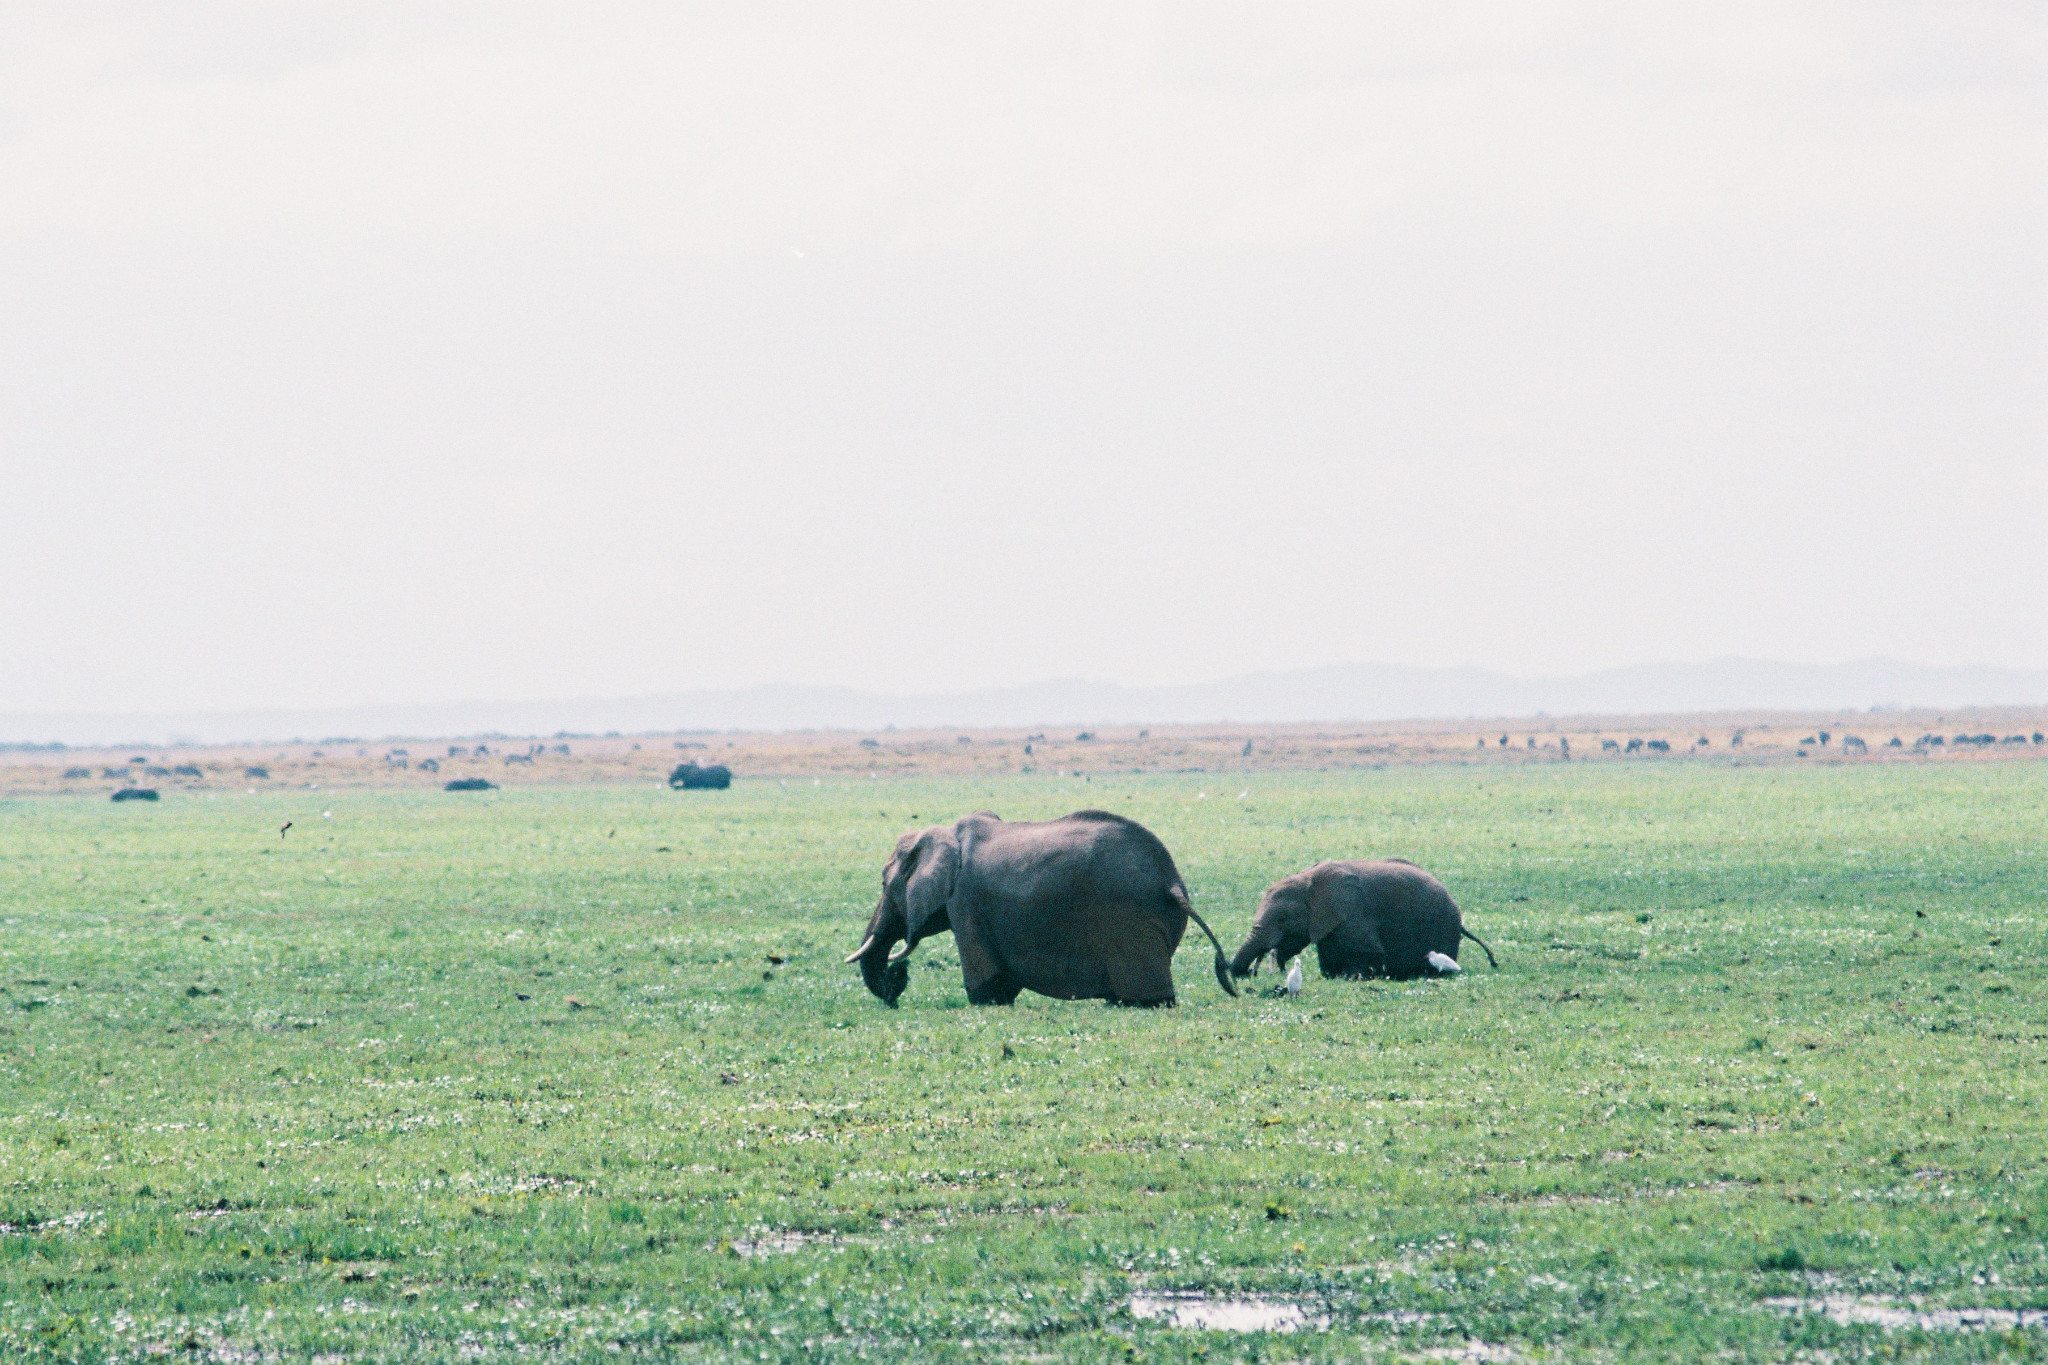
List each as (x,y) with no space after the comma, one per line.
(900,954)
(862,951)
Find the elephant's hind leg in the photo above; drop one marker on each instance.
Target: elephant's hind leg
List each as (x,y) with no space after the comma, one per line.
(1142,978)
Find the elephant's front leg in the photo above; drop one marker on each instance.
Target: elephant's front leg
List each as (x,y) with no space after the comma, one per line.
(998,990)
(981,972)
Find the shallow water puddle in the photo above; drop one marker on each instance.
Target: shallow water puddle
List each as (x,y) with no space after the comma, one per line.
(1879,1313)
(1225,1315)
(765,1242)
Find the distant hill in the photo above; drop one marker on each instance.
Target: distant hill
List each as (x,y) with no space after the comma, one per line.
(1339,692)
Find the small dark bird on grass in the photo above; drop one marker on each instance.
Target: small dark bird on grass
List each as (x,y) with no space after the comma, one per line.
(282,828)
(522,997)
(776,959)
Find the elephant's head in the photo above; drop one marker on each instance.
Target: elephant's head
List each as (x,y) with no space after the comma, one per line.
(915,888)
(1291,916)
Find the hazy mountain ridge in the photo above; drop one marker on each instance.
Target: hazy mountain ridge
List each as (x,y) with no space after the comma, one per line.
(1336,692)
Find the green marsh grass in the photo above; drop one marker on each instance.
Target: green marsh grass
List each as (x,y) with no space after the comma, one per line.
(512,1074)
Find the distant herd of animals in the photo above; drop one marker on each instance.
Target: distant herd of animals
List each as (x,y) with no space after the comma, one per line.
(1091,907)
(690,776)
(1850,744)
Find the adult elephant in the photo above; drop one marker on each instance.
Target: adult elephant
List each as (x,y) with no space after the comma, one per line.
(1086,907)
(1380,918)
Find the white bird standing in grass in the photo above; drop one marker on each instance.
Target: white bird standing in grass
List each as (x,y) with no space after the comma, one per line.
(1293,982)
(1447,966)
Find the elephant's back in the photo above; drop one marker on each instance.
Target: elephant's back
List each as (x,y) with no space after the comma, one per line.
(1394,876)
(1091,854)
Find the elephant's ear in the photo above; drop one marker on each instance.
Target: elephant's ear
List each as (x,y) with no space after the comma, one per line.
(931,880)
(1326,890)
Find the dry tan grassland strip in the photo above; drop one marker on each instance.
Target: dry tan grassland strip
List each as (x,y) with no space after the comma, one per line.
(1221,749)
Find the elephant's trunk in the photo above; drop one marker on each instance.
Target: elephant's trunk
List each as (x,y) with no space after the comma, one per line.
(1256,946)
(884,977)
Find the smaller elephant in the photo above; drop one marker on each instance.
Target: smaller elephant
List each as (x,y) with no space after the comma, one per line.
(1365,918)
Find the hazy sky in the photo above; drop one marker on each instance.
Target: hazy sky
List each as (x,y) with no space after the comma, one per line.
(411,351)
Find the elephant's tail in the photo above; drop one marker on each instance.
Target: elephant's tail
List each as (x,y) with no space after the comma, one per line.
(1180,898)
(1467,933)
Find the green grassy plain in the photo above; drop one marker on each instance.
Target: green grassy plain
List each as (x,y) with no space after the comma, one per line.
(1759,1033)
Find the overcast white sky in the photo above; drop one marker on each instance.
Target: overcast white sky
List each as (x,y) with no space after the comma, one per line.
(398,352)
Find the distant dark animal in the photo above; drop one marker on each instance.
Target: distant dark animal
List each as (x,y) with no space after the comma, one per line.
(1607,744)
(156,770)
(1807,739)
(865,744)
(1735,740)
(1633,745)
(1662,746)
(78,772)
(1894,743)
(691,777)
(1823,739)
(1503,741)
(135,794)
(1144,734)
(1702,743)
(1365,918)
(2037,736)
(561,748)
(138,759)
(1853,744)
(456,751)
(282,828)
(2015,739)
(527,759)
(253,772)
(1247,750)
(1084,736)
(430,765)
(188,770)
(468,784)
(1086,907)
(113,772)
(1027,749)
